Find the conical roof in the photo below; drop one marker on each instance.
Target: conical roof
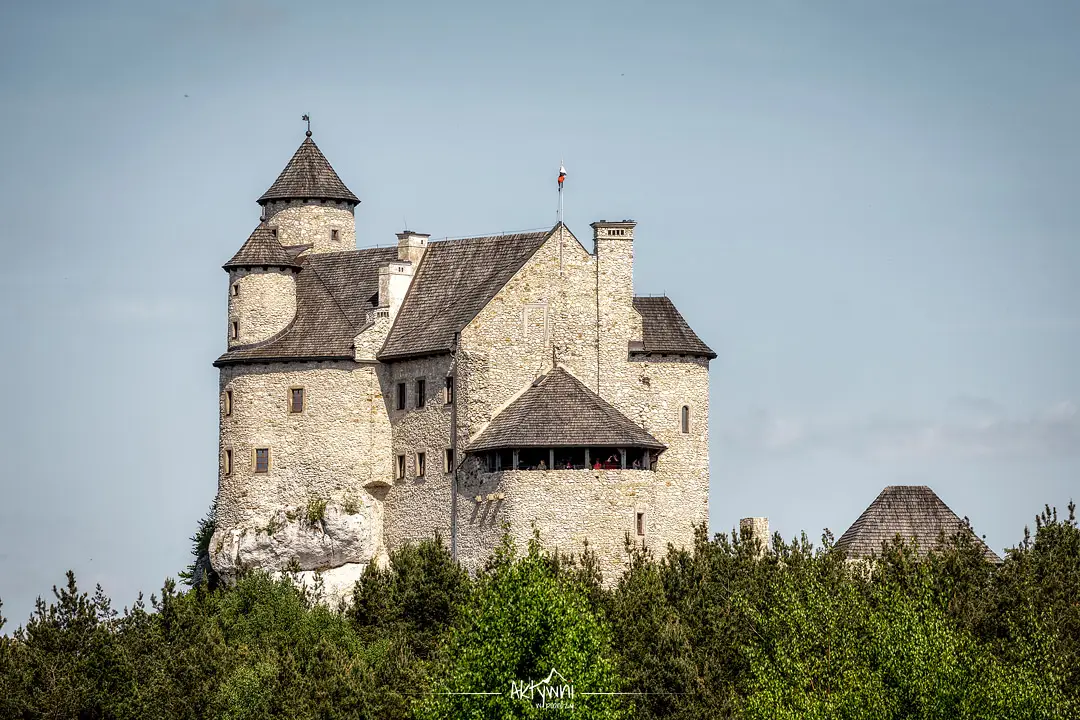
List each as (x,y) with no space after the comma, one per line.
(559,411)
(261,249)
(308,175)
(914,512)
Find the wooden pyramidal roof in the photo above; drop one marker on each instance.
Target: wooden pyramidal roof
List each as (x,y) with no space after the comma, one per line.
(261,249)
(308,176)
(914,512)
(559,411)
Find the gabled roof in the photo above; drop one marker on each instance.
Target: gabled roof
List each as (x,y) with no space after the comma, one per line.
(664,330)
(455,280)
(914,512)
(333,295)
(261,249)
(308,175)
(559,411)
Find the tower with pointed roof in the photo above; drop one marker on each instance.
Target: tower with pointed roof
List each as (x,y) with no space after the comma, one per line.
(374,397)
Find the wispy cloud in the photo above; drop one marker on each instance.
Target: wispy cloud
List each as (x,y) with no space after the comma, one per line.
(971,426)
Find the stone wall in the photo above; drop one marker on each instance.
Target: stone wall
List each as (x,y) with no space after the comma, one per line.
(336,451)
(302,222)
(264,303)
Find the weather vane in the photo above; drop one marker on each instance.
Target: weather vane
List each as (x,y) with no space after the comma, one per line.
(307,118)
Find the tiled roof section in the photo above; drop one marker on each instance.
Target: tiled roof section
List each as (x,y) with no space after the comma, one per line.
(664,330)
(455,280)
(308,175)
(333,295)
(261,249)
(914,512)
(559,411)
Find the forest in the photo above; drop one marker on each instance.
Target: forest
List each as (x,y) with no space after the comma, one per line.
(723,629)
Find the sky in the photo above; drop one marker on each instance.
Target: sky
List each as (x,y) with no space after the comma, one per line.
(868,209)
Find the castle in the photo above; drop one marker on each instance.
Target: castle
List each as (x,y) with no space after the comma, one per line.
(373,397)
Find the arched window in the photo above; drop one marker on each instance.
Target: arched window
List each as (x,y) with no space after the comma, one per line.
(684,418)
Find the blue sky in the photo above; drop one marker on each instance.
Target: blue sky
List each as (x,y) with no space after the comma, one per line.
(868,209)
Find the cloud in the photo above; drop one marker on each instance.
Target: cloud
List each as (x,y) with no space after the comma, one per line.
(972,427)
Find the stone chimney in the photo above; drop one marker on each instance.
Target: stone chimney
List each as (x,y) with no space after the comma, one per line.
(411,246)
(756,528)
(617,322)
(394,280)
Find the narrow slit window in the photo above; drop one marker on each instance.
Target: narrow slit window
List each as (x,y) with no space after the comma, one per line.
(421,392)
(421,464)
(296,400)
(450,390)
(400,469)
(226,403)
(234,330)
(449,460)
(641,524)
(234,289)
(684,418)
(401,396)
(227,462)
(262,460)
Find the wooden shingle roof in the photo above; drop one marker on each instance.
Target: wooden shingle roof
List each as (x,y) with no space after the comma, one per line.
(454,282)
(914,512)
(308,176)
(333,294)
(559,411)
(664,330)
(261,249)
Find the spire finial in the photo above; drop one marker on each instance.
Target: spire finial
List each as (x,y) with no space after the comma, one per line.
(307,118)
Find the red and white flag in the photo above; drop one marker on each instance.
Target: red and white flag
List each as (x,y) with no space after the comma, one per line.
(562,176)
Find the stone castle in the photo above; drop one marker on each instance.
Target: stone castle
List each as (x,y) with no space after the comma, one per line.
(465,387)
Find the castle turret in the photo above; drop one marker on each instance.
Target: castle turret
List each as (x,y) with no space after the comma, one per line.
(309,205)
(262,288)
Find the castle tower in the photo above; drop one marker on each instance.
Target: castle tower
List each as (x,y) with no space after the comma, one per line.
(262,288)
(309,205)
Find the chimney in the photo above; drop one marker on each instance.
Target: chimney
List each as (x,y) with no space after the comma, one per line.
(411,246)
(394,280)
(756,528)
(617,322)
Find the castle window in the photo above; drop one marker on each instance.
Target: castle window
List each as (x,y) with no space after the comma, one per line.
(421,464)
(234,330)
(684,418)
(400,468)
(262,460)
(296,400)
(226,403)
(448,461)
(334,235)
(449,390)
(273,231)
(641,524)
(401,396)
(421,387)
(226,468)
(234,289)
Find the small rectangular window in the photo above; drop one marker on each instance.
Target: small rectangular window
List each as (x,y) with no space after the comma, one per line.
(227,465)
(421,392)
(449,461)
(296,400)
(401,396)
(226,403)
(234,289)
(334,235)
(421,464)
(450,390)
(262,460)
(400,469)
(641,524)
(234,330)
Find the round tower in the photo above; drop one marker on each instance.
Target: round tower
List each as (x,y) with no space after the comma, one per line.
(262,288)
(309,205)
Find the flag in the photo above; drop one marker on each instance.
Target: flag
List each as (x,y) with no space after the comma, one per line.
(562,176)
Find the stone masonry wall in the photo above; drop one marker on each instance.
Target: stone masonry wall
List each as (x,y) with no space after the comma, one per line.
(300,222)
(264,303)
(336,451)
(416,507)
